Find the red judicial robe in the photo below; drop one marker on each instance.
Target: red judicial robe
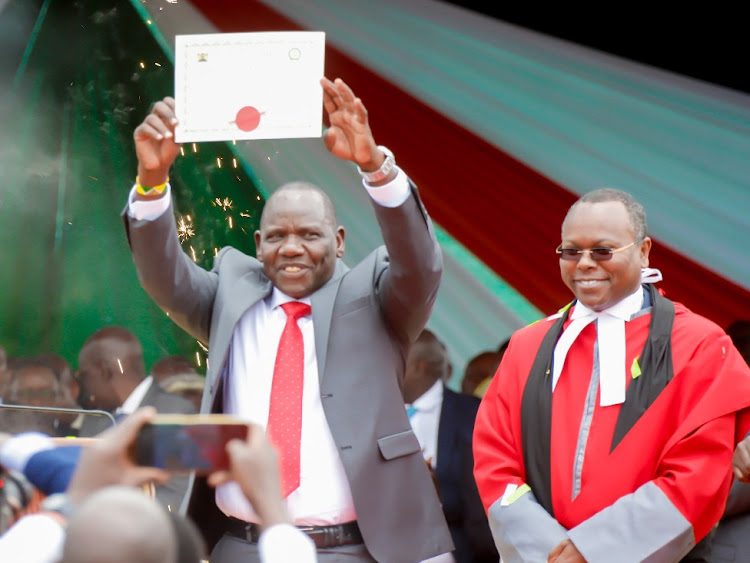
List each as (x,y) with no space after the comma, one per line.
(683,443)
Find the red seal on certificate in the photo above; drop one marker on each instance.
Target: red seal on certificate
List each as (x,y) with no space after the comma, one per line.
(247,118)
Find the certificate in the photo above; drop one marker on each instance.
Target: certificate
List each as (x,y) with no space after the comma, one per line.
(234,86)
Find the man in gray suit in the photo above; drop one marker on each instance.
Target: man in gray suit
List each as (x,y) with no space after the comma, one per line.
(364,491)
(112,377)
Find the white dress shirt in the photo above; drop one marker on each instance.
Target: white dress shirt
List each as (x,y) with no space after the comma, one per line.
(323,496)
(426,421)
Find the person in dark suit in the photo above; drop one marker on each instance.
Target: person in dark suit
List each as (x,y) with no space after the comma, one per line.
(444,423)
(362,489)
(112,377)
(731,541)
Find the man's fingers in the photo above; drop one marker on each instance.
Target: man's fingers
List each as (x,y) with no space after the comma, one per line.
(162,127)
(343,90)
(255,434)
(138,476)
(169,102)
(328,103)
(329,138)
(360,111)
(219,478)
(126,431)
(235,448)
(330,92)
(164,110)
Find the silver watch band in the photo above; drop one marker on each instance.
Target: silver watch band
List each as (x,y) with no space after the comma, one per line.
(377,175)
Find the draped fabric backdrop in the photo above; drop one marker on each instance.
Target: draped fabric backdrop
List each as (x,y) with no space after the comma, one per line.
(502,128)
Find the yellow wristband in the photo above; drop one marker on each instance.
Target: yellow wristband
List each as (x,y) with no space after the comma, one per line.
(152,190)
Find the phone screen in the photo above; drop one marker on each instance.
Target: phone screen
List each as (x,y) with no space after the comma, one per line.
(196,446)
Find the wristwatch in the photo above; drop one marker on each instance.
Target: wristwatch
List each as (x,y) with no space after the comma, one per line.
(383,171)
(58,503)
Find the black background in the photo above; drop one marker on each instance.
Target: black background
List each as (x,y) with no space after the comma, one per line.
(707,41)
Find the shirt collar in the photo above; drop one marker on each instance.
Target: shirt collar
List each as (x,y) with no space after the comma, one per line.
(623,309)
(431,398)
(278,298)
(131,404)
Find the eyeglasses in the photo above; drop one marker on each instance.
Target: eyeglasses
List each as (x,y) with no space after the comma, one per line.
(599,254)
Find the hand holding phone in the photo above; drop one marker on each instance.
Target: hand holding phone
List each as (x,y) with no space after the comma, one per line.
(254,466)
(183,443)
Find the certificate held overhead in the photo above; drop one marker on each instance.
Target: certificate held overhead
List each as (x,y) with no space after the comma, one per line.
(238,86)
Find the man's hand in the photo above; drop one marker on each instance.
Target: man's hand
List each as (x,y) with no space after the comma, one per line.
(254,465)
(107,460)
(349,136)
(433,476)
(741,460)
(565,552)
(154,143)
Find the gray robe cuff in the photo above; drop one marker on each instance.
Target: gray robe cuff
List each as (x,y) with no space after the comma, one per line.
(524,531)
(641,526)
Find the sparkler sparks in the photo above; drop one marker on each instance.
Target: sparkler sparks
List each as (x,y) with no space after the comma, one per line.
(185,229)
(226,203)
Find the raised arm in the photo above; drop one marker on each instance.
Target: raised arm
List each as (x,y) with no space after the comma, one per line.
(408,287)
(168,275)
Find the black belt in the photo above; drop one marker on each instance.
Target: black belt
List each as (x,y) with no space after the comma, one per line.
(322,536)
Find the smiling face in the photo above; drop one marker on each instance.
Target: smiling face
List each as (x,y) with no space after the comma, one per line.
(298,241)
(599,285)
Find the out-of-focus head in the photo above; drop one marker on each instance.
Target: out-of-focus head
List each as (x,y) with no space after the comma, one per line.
(170,366)
(299,239)
(426,363)
(34,382)
(604,219)
(110,366)
(478,369)
(120,525)
(64,373)
(739,332)
(191,548)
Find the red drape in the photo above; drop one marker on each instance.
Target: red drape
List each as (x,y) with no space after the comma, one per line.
(503,211)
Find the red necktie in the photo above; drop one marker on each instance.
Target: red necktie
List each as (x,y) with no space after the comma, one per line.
(284,429)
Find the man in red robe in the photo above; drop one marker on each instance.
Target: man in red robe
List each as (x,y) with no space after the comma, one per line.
(608,431)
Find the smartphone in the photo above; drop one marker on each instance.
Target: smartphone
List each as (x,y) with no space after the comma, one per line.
(188,442)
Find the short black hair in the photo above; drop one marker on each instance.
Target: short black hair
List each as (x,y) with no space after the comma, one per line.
(635,210)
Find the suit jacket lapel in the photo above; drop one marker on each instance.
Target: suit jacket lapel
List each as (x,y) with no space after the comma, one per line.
(322,312)
(248,290)
(150,396)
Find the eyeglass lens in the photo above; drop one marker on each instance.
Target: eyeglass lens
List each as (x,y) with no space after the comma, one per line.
(597,254)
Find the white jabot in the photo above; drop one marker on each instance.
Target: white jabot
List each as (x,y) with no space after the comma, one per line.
(610,340)
(650,275)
